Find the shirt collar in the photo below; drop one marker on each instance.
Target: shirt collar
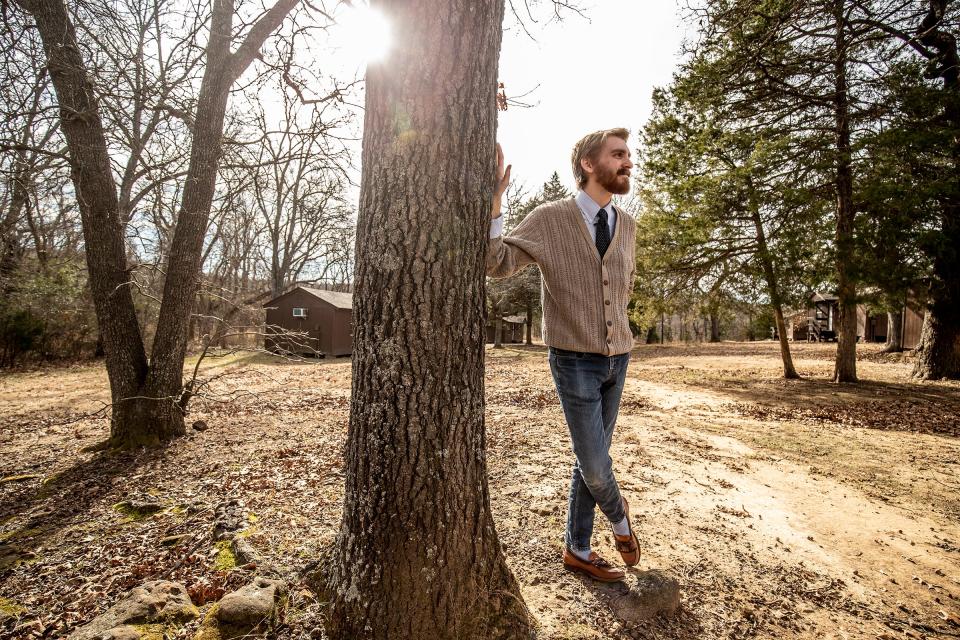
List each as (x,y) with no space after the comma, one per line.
(589,208)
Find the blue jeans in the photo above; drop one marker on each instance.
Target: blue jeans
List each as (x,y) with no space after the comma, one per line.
(590,386)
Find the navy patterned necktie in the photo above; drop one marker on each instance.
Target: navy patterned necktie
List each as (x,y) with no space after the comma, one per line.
(603,232)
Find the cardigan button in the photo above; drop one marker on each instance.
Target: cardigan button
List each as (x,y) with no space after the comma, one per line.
(606,282)
(609,323)
(606,302)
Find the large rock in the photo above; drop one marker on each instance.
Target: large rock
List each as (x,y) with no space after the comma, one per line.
(158,601)
(643,595)
(240,612)
(251,605)
(130,632)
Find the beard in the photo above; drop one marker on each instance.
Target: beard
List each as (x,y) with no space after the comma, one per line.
(613,181)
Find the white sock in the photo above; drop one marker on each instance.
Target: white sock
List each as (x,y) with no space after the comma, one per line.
(622,528)
(583,554)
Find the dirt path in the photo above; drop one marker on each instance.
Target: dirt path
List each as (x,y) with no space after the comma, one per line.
(787,510)
(765,543)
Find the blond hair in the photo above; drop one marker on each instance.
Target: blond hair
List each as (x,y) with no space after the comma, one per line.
(589,146)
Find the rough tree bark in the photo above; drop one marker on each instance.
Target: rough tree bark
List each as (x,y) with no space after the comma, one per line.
(714,326)
(417,555)
(773,286)
(845,367)
(148,396)
(938,354)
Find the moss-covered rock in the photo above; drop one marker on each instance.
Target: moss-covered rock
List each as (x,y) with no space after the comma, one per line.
(10,609)
(255,607)
(226,559)
(138,632)
(135,511)
(12,556)
(157,603)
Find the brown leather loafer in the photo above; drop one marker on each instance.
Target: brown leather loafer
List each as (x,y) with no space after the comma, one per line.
(597,568)
(628,546)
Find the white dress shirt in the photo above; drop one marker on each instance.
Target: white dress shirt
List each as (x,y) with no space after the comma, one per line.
(588,208)
(591,211)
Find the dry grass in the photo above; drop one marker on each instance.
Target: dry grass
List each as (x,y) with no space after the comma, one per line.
(797,509)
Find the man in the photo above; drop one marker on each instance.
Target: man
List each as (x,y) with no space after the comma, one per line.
(584,247)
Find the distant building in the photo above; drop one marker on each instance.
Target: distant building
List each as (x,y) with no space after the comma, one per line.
(820,322)
(308,321)
(513,330)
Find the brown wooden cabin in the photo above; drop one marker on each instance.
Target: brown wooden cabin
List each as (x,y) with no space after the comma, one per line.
(308,321)
(913,316)
(820,322)
(513,330)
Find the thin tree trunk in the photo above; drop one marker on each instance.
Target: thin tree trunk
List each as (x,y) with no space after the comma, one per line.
(417,555)
(498,329)
(845,367)
(894,332)
(773,286)
(529,324)
(11,250)
(23,171)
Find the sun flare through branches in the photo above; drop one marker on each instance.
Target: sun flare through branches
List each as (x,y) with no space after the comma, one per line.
(365,34)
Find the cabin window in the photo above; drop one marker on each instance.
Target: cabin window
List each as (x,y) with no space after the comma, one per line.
(299,312)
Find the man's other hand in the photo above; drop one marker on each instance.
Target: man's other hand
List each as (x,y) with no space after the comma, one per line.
(503,181)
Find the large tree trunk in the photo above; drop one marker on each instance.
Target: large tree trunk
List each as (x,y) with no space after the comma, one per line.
(845,367)
(417,555)
(148,399)
(938,354)
(894,332)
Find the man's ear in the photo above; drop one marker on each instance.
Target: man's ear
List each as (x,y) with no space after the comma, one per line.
(586,165)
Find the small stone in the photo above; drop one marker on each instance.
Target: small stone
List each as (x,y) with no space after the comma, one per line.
(251,605)
(139,507)
(172,541)
(125,632)
(643,595)
(244,551)
(200,425)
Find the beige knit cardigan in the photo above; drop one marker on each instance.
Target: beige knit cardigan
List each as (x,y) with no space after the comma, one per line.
(584,298)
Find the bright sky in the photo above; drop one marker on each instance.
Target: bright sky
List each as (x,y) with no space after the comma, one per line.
(593,73)
(580,74)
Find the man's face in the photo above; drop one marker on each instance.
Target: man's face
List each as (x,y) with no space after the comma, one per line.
(611,169)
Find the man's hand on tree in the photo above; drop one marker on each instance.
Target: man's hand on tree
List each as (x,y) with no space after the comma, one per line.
(503,181)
